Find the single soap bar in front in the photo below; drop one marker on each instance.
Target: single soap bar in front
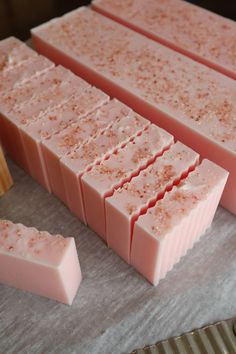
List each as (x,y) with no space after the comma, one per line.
(112,173)
(191,101)
(175,223)
(38,262)
(196,32)
(136,196)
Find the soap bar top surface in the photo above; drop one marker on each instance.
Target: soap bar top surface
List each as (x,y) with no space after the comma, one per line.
(187,26)
(31,244)
(165,215)
(104,143)
(119,166)
(86,127)
(13,52)
(202,98)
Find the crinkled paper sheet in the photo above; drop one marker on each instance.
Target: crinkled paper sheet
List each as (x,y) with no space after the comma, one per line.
(116,310)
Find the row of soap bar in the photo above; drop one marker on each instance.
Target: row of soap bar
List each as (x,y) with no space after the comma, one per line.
(193,102)
(108,164)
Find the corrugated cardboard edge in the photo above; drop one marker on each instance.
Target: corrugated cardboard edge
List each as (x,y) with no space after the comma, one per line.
(219,338)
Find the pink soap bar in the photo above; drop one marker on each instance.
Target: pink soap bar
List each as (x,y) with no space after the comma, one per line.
(73,165)
(134,198)
(86,127)
(38,262)
(110,174)
(189,29)
(170,228)
(14,52)
(193,102)
(18,75)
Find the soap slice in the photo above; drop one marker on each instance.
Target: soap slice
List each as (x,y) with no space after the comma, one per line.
(14,52)
(63,87)
(110,174)
(38,262)
(134,198)
(198,33)
(170,228)
(191,101)
(18,75)
(59,145)
(5,178)
(91,153)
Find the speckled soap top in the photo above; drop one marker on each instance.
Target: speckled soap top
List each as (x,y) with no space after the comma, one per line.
(13,52)
(30,244)
(202,98)
(106,142)
(179,202)
(185,25)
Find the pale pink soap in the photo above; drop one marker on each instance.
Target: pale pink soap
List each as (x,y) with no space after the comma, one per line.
(86,127)
(110,174)
(14,52)
(54,121)
(23,72)
(189,29)
(94,151)
(20,116)
(193,102)
(175,223)
(127,203)
(38,262)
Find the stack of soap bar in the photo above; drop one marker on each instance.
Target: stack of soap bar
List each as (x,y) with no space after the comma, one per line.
(82,159)
(173,224)
(135,197)
(85,100)
(110,174)
(191,30)
(61,144)
(38,262)
(5,177)
(193,102)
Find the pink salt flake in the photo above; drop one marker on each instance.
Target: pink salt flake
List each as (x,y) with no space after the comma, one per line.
(38,262)
(198,33)
(167,230)
(135,197)
(93,152)
(193,102)
(112,173)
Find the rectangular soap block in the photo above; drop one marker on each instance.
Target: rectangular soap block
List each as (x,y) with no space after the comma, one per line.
(193,102)
(6,181)
(127,203)
(175,223)
(38,262)
(196,32)
(53,122)
(86,127)
(119,168)
(82,159)
(14,52)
